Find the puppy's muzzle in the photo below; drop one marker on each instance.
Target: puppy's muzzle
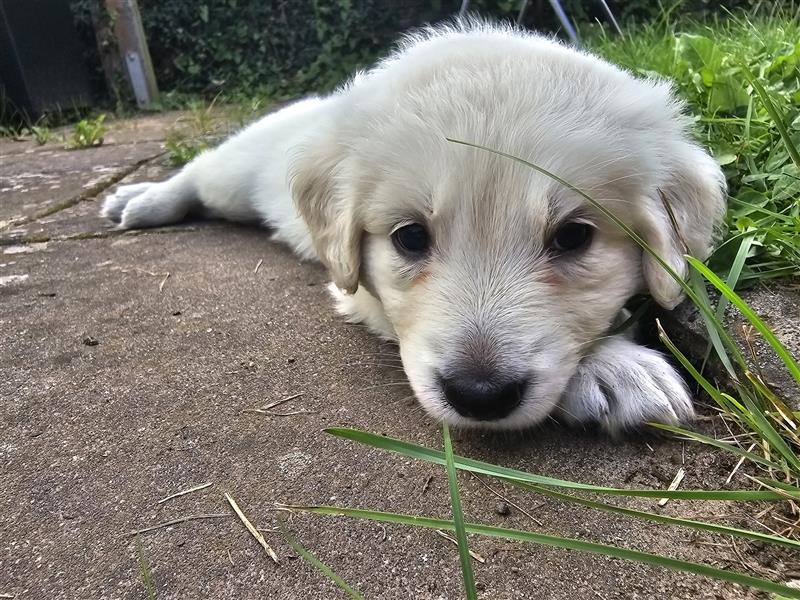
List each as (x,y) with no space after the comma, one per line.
(481,397)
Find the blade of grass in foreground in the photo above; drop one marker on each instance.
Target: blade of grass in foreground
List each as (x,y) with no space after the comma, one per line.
(458,518)
(750,315)
(728,447)
(557,542)
(771,435)
(735,271)
(467,464)
(656,517)
(710,389)
(659,518)
(317,563)
(712,323)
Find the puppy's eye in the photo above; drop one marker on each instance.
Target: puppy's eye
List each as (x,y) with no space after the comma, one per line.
(412,240)
(571,236)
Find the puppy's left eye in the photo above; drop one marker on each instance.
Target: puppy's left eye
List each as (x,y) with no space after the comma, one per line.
(571,236)
(412,240)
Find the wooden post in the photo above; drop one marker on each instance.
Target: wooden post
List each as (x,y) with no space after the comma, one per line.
(133,50)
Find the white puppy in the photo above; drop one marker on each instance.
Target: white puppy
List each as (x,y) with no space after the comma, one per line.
(498,283)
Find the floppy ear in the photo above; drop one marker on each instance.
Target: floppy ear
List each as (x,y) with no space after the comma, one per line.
(329,211)
(681,215)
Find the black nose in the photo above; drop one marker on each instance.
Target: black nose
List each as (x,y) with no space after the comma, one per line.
(482,398)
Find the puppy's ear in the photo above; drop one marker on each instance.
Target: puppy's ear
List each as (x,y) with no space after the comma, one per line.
(682,215)
(329,211)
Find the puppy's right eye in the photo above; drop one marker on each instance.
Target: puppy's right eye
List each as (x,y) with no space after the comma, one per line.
(411,240)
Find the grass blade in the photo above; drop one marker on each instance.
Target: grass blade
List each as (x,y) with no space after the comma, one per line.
(750,315)
(768,433)
(475,466)
(773,113)
(144,571)
(458,519)
(734,273)
(709,388)
(713,324)
(659,518)
(317,563)
(557,542)
(728,447)
(787,487)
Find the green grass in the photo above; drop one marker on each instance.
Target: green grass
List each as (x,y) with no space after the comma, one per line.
(88,133)
(741,78)
(207,123)
(316,563)
(145,572)
(458,518)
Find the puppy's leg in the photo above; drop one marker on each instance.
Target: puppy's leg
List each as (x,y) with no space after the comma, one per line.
(622,385)
(151,204)
(244,179)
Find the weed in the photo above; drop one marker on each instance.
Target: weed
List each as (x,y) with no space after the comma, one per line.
(41,134)
(182,149)
(88,133)
(205,124)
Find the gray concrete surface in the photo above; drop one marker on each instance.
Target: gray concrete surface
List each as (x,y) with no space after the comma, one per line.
(127,367)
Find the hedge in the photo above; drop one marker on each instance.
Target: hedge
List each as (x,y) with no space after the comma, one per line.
(289,47)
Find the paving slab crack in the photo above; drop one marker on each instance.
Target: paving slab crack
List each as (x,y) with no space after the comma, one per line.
(90,193)
(95,235)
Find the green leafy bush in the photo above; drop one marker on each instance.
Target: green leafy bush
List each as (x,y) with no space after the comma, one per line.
(274,48)
(278,48)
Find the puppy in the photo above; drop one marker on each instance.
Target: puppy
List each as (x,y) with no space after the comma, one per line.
(498,283)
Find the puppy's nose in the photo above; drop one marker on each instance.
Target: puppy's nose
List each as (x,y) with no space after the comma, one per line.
(482,398)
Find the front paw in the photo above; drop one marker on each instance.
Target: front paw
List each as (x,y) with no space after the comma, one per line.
(621,385)
(115,204)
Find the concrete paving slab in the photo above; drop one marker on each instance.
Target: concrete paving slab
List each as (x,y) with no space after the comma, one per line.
(40,182)
(83,218)
(128,365)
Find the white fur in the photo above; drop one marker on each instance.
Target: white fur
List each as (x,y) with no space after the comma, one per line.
(334,176)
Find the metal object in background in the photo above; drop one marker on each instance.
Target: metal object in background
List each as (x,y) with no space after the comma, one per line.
(41,58)
(133,50)
(565,22)
(561,14)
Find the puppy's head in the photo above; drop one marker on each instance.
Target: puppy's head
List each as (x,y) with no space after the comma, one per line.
(494,278)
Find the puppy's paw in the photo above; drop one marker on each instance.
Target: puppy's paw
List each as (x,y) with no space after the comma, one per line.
(151,204)
(622,385)
(114,205)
